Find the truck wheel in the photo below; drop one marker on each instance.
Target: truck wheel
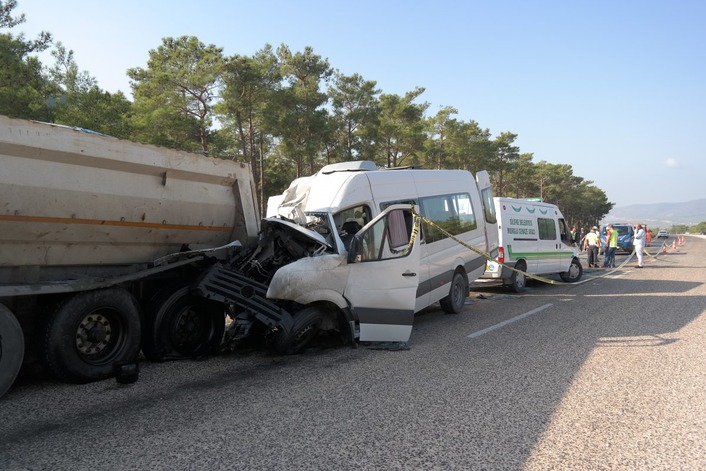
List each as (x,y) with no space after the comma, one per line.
(574,273)
(12,348)
(89,332)
(306,327)
(453,303)
(518,281)
(182,325)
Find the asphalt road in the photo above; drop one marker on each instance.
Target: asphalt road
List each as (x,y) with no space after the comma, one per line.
(606,374)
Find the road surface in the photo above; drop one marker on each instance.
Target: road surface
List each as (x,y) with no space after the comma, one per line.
(605,374)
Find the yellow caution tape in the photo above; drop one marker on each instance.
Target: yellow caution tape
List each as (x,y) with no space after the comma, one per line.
(488,257)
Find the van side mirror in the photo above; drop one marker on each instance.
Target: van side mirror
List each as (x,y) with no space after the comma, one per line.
(354,249)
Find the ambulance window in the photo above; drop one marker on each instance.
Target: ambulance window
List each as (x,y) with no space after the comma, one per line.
(547,229)
(563,230)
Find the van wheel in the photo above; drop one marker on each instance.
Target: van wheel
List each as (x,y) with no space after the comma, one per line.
(454,302)
(306,327)
(518,281)
(181,325)
(12,348)
(90,332)
(574,273)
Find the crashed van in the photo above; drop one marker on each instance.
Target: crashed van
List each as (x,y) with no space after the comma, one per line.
(345,251)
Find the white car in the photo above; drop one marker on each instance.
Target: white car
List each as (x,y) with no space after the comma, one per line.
(663,234)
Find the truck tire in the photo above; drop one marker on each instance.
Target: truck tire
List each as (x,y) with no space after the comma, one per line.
(518,281)
(454,302)
(89,332)
(181,325)
(575,272)
(305,329)
(12,349)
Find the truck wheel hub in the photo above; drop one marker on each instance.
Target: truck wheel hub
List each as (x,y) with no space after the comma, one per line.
(93,334)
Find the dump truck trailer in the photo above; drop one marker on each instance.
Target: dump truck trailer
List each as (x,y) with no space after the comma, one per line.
(93,231)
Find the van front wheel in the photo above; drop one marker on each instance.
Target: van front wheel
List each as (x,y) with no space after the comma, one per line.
(453,303)
(574,273)
(305,329)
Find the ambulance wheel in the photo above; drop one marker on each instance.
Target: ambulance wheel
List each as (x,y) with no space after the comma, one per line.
(12,348)
(454,302)
(88,333)
(574,273)
(518,281)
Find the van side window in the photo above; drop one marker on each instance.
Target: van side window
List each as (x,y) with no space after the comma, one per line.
(453,213)
(547,229)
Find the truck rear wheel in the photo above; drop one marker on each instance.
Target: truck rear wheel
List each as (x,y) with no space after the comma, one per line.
(181,325)
(454,302)
(12,349)
(89,332)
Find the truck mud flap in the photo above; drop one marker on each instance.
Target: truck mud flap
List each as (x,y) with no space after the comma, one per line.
(228,286)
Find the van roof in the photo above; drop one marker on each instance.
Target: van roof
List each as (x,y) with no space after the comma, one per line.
(355,166)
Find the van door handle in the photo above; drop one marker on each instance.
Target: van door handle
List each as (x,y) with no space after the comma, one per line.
(409,274)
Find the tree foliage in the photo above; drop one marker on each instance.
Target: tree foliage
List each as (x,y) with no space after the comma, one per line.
(175,94)
(24,88)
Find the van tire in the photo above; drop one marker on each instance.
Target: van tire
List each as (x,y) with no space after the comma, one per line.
(518,281)
(89,332)
(575,272)
(12,348)
(305,329)
(454,302)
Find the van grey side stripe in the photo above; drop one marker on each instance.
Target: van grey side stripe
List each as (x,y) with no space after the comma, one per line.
(369,315)
(446,277)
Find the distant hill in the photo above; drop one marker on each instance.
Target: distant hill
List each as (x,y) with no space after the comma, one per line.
(662,215)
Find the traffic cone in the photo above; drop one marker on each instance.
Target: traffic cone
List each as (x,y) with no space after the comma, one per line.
(674,246)
(664,249)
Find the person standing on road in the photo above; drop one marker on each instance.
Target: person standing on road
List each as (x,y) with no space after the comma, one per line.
(639,243)
(582,238)
(592,243)
(611,238)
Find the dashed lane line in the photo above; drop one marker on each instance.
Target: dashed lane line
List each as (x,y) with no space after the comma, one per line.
(509,321)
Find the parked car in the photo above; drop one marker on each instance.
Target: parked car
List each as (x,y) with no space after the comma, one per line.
(663,234)
(626,234)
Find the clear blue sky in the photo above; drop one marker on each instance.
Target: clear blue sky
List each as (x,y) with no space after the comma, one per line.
(616,89)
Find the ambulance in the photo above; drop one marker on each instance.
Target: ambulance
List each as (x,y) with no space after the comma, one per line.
(533,238)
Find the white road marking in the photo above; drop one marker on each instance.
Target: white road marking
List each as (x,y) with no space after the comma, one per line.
(509,321)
